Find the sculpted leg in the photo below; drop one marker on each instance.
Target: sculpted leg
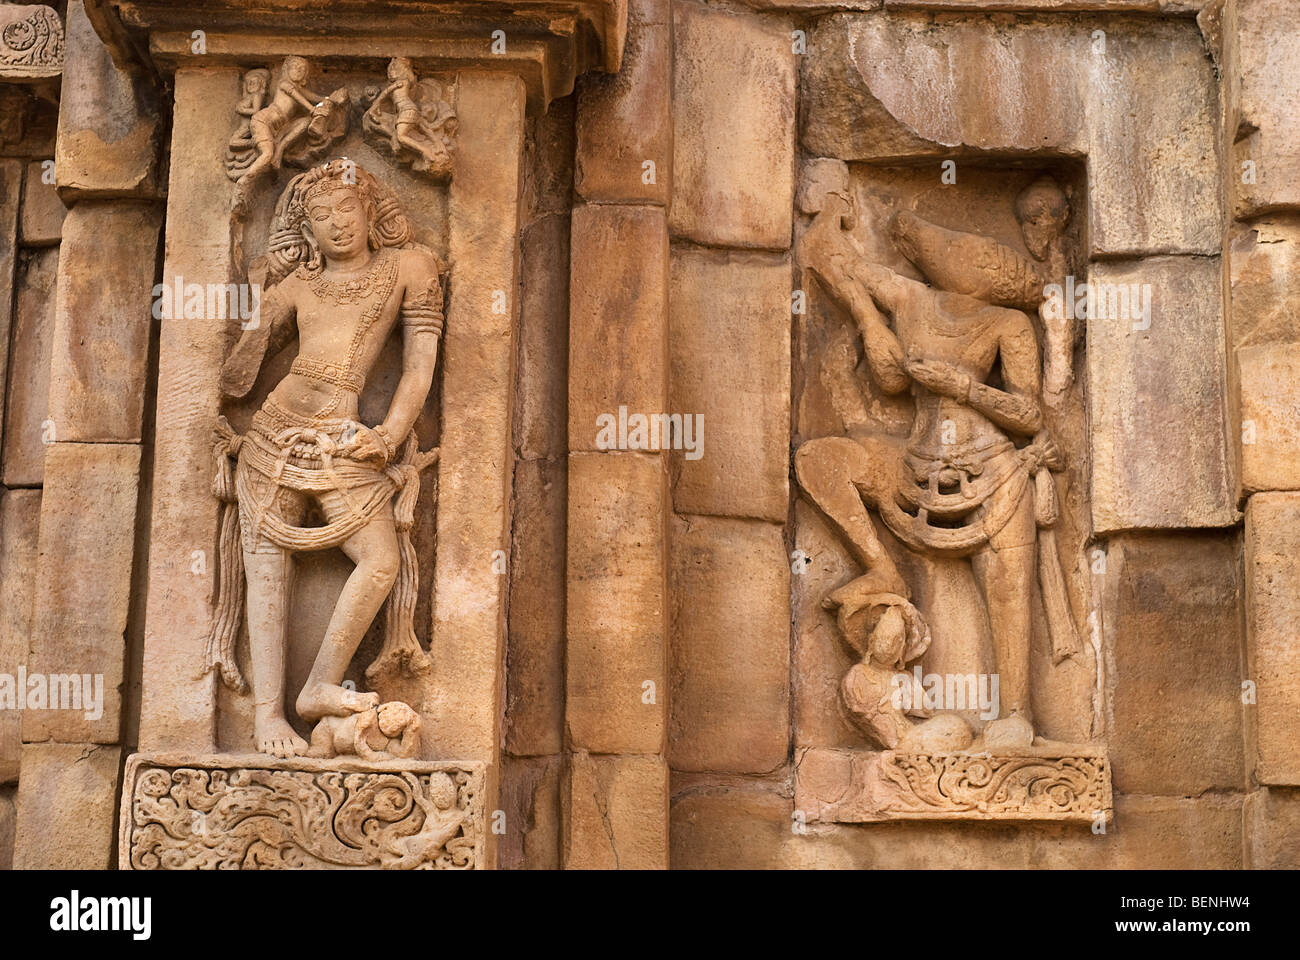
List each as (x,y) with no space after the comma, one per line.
(374,551)
(1006,570)
(834,472)
(268,592)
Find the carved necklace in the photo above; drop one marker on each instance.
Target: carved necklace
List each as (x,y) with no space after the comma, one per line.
(347,292)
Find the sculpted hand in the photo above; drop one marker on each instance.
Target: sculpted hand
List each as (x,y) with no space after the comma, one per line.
(367,446)
(941,378)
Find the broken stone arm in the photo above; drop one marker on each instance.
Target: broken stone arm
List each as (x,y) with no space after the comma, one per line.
(276,325)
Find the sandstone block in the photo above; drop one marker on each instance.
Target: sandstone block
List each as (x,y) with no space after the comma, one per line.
(26,431)
(41,223)
(103,321)
(542,391)
(615,656)
(618,320)
(1270,416)
(83,589)
(109,121)
(20,514)
(731,646)
(67,806)
(731,372)
(616,813)
(1272,645)
(535,647)
(1266,114)
(1171,619)
(733,128)
(11,182)
(530,797)
(1264,257)
(1272,819)
(8,826)
(1157,397)
(625,121)
(548,170)
(731,827)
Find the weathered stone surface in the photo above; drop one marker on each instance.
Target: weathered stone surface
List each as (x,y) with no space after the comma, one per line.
(1270,416)
(898,85)
(26,432)
(535,647)
(1158,401)
(530,797)
(103,322)
(8,826)
(755,826)
(41,223)
(1264,264)
(11,180)
(731,827)
(730,646)
(177,713)
(83,589)
(1152,151)
(731,372)
(109,123)
(618,319)
(1171,617)
(1272,646)
(625,120)
(615,655)
(542,389)
(1272,819)
(616,813)
(20,514)
(733,153)
(67,806)
(474,472)
(1266,113)
(548,167)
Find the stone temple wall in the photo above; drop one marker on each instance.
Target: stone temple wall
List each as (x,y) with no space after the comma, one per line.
(661,654)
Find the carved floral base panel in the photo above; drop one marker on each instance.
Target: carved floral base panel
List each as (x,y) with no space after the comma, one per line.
(1062,782)
(253,812)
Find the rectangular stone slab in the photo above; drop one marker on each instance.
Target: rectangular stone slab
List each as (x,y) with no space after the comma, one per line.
(1062,782)
(219,809)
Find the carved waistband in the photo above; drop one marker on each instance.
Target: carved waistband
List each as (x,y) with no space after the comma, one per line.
(324,371)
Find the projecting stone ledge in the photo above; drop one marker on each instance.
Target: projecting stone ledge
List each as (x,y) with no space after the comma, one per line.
(1063,782)
(255,812)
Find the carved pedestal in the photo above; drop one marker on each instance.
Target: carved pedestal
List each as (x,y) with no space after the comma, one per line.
(255,812)
(1069,782)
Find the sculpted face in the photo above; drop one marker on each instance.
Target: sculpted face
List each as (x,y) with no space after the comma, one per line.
(337,220)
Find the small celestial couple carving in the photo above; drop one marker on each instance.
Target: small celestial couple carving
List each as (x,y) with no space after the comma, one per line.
(973,479)
(342,274)
(288,123)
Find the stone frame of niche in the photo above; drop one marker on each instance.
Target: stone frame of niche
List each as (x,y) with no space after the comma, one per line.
(462,714)
(864,100)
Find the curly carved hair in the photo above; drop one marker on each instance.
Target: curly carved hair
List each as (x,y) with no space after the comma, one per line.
(292,243)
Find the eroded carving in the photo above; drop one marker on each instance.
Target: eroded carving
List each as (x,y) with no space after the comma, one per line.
(342,273)
(413,120)
(254,813)
(31,41)
(297,126)
(973,477)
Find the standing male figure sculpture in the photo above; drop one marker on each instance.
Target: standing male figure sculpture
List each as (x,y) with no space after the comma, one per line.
(971,480)
(348,275)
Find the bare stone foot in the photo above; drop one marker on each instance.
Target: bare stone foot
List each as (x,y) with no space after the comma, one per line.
(274,735)
(1009,733)
(330,700)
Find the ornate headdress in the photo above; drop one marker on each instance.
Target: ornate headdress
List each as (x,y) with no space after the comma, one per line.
(292,243)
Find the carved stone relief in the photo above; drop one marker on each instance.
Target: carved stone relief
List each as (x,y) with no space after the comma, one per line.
(412,119)
(246,813)
(31,41)
(945,463)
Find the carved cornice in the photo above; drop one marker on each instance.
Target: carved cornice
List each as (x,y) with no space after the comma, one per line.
(547,42)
